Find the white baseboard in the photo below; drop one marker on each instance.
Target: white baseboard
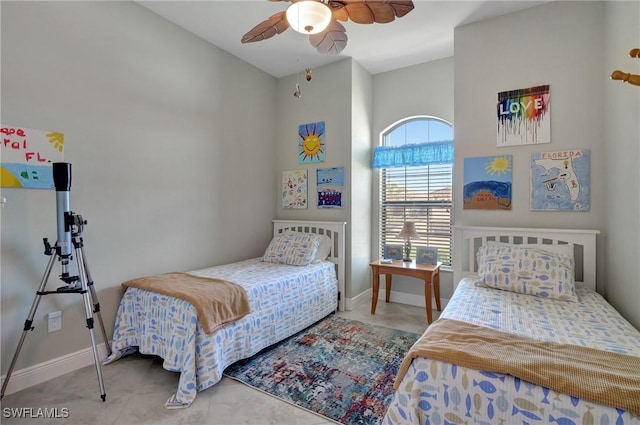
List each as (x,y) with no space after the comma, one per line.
(358,300)
(37,374)
(395,297)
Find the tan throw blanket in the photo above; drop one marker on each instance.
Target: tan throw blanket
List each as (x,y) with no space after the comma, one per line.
(594,375)
(217,301)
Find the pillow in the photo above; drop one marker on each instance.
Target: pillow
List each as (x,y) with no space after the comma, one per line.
(324,249)
(293,248)
(566,249)
(527,270)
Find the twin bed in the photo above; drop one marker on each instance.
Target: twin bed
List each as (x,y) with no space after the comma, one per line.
(518,343)
(296,283)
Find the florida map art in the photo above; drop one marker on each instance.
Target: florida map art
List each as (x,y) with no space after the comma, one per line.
(524,116)
(311,143)
(560,180)
(487,183)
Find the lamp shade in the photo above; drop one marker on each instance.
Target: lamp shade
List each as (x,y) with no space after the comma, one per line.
(409,230)
(309,16)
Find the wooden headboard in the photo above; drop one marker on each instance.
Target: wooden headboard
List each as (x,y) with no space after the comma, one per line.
(335,231)
(467,240)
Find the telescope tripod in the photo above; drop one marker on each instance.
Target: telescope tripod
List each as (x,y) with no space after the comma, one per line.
(80,284)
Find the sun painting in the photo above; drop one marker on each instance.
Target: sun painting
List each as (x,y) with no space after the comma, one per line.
(498,165)
(311,143)
(487,183)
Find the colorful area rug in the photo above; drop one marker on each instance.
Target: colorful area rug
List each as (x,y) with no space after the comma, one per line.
(338,368)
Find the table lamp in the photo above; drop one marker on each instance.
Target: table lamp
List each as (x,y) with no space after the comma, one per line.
(408,231)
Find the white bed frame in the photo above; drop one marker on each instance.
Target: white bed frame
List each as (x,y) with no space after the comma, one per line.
(335,231)
(467,240)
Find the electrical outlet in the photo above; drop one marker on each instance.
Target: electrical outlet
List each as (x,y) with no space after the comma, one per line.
(55,321)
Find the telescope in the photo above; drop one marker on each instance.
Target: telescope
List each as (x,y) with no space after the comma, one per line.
(69,226)
(62,182)
(64,216)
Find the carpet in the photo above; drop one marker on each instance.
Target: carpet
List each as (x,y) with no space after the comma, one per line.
(338,368)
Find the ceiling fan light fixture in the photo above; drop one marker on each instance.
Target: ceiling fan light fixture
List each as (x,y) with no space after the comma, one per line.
(309,16)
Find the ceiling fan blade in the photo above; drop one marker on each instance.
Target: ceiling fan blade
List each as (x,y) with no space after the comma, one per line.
(330,41)
(360,13)
(276,24)
(368,12)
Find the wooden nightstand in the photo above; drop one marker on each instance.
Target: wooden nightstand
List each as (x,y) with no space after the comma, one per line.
(430,273)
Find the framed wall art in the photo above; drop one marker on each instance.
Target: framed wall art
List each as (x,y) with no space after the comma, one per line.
(560,180)
(294,189)
(487,183)
(330,187)
(27,155)
(524,116)
(311,143)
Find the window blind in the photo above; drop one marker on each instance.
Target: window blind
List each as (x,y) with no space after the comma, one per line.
(423,195)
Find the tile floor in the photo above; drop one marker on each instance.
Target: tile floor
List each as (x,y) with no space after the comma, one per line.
(137,387)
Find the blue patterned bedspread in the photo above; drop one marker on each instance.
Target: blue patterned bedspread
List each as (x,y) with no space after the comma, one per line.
(283,299)
(440,393)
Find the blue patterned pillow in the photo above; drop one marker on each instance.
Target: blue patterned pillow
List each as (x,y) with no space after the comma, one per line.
(526,270)
(293,248)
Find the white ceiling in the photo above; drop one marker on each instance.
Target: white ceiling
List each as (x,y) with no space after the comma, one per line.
(425,34)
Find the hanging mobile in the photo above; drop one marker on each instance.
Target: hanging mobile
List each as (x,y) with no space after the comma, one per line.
(298,93)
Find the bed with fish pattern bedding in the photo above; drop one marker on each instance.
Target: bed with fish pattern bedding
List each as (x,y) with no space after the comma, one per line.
(439,393)
(283,299)
(534,289)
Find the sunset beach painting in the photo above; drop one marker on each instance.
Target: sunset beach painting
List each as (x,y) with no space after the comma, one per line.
(487,183)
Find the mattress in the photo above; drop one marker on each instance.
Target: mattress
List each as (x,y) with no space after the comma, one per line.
(436,392)
(283,300)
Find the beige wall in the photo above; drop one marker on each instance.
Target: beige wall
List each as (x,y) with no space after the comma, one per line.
(570,46)
(172,144)
(513,52)
(360,199)
(424,89)
(340,95)
(621,245)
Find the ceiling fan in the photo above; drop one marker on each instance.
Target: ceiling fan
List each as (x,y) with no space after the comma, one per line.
(319,19)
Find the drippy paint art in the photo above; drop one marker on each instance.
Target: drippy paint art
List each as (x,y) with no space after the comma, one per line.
(524,116)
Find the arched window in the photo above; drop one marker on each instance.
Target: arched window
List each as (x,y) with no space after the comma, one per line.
(416,161)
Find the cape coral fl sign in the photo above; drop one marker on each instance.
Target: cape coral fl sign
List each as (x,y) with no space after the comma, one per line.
(27,155)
